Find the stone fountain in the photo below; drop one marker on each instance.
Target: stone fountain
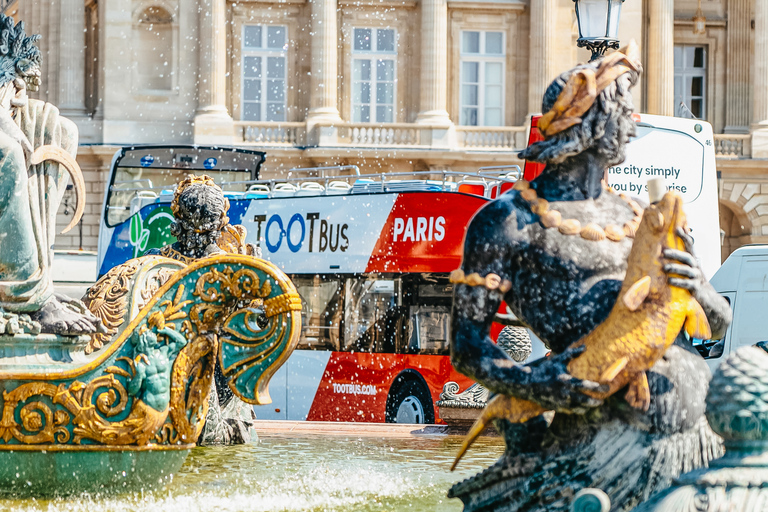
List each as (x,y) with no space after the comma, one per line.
(111,392)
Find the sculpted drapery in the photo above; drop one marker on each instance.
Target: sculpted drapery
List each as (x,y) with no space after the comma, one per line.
(29,199)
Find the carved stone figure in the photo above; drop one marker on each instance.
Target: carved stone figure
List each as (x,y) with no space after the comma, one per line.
(202,228)
(37,146)
(556,252)
(201,225)
(460,409)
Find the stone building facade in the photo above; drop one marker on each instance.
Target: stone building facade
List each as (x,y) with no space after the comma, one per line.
(388,85)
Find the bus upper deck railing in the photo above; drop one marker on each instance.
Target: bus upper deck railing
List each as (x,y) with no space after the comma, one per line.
(489,182)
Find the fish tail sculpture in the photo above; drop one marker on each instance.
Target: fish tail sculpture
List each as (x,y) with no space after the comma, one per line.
(642,325)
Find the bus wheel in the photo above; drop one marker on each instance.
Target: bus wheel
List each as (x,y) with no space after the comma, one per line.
(410,404)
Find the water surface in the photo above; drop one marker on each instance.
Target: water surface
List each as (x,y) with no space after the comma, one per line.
(298,472)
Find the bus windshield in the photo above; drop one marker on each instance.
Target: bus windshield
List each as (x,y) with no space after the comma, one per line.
(147,174)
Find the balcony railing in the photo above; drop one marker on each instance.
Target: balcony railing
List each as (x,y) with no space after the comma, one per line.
(489,138)
(390,135)
(733,146)
(393,135)
(271,134)
(379,135)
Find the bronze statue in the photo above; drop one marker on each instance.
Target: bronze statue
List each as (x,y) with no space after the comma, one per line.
(556,252)
(37,146)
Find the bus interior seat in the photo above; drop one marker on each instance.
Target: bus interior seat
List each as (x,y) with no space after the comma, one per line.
(310,188)
(257,191)
(472,187)
(141,199)
(338,187)
(284,190)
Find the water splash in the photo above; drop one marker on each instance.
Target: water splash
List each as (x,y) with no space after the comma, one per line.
(283,473)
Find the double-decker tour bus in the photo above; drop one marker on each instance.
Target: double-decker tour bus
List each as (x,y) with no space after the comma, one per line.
(370,256)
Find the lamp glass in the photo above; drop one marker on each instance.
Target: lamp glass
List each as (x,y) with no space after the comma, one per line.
(613,23)
(594,21)
(593,16)
(699,24)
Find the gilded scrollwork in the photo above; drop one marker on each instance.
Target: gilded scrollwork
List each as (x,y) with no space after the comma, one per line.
(190,383)
(37,418)
(153,284)
(108,300)
(152,384)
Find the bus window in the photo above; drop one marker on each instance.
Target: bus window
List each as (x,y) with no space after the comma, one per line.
(429,330)
(373,317)
(320,311)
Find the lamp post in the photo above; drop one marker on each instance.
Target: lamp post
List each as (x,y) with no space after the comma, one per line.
(598,25)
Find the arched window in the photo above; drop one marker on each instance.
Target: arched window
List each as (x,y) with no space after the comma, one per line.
(154,48)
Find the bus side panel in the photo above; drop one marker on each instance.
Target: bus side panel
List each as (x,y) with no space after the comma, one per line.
(424,233)
(437,371)
(310,234)
(149,228)
(680,151)
(305,372)
(353,389)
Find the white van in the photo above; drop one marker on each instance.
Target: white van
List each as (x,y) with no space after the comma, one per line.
(743,281)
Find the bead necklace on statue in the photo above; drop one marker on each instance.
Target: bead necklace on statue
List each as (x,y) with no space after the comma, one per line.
(553,219)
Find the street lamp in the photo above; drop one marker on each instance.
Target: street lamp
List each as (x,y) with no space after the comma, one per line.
(598,25)
(699,22)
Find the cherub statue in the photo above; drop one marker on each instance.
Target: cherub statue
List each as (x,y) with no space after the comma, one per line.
(556,253)
(31,190)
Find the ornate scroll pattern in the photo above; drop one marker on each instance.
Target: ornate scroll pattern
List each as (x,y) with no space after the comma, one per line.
(259,336)
(108,300)
(134,281)
(39,422)
(153,284)
(190,384)
(150,385)
(474,397)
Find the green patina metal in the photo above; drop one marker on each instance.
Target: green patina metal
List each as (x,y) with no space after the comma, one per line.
(40,473)
(146,389)
(737,409)
(112,392)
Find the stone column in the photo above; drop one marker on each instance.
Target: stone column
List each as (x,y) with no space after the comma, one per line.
(738,43)
(71,72)
(434,63)
(760,69)
(213,124)
(541,65)
(760,82)
(660,66)
(325,39)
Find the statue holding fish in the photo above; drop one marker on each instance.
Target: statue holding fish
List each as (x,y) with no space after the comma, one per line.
(612,289)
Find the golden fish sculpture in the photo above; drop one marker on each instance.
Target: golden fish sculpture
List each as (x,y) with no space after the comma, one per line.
(642,325)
